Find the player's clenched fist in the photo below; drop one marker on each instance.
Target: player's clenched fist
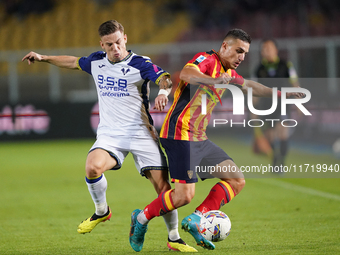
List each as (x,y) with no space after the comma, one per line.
(31,57)
(225,78)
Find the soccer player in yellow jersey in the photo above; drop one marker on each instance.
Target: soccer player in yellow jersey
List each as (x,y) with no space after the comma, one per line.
(184,138)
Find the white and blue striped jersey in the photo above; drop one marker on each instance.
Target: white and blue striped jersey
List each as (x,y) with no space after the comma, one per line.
(123,92)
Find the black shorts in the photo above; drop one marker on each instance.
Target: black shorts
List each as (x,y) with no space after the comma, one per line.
(187,159)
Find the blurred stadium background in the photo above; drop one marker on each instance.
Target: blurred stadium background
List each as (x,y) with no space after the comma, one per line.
(170,32)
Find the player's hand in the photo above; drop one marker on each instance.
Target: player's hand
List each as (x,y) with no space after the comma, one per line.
(160,102)
(224,78)
(31,57)
(296,95)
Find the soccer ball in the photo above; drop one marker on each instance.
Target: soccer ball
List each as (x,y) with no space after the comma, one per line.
(215,226)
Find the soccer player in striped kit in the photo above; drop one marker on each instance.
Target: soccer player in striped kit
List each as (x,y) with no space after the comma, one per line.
(184,138)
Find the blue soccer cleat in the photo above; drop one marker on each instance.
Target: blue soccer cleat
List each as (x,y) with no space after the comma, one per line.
(191,224)
(137,232)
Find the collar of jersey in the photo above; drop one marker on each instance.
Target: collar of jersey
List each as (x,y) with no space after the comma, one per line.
(129,55)
(225,69)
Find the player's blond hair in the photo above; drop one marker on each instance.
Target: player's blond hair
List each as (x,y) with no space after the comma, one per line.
(110,27)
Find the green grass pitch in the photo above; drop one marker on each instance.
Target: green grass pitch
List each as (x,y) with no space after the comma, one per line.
(43,197)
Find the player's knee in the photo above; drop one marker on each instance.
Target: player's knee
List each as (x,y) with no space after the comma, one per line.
(239,185)
(94,169)
(184,198)
(162,186)
(187,198)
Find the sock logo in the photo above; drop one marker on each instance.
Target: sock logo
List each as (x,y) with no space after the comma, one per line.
(162,212)
(222,203)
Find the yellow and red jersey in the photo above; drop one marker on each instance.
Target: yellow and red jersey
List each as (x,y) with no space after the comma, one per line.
(184,120)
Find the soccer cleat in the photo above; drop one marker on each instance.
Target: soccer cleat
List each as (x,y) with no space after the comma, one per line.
(87,225)
(180,245)
(191,224)
(137,232)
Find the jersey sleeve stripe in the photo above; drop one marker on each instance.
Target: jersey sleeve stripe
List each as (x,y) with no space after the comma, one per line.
(159,78)
(78,66)
(191,64)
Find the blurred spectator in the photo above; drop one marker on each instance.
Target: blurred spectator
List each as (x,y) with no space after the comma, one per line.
(274,72)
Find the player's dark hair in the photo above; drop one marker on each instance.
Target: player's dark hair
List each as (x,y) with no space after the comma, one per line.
(110,27)
(238,33)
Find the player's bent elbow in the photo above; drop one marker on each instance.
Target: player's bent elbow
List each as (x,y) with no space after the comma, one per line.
(182,76)
(186,73)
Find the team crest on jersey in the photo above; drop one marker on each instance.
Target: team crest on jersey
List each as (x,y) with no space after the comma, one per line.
(200,58)
(190,173)
(125,71)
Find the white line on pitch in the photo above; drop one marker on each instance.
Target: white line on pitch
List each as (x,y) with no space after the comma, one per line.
(299,188)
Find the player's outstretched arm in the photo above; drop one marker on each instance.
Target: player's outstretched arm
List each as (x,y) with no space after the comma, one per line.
(193,76)
(60,61)
(165,86)
(260,90)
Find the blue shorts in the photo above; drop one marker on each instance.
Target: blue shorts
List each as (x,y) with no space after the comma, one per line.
(186,157)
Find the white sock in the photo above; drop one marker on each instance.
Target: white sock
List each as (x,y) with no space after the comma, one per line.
(97,188)
(101,208)
(141,218)
(197,212)
(171,221)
